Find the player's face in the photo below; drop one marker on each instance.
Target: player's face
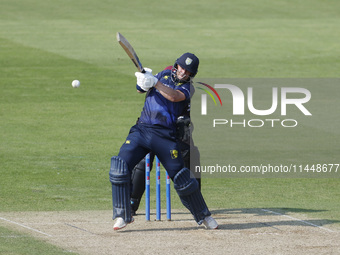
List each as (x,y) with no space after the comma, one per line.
(182,73)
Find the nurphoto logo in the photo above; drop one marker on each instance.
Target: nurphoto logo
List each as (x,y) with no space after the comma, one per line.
(295,96)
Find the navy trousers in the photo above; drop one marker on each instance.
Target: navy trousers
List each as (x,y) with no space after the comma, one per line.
(144,138)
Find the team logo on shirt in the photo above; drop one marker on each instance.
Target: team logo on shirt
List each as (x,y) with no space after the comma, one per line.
(174,154)
(127,141)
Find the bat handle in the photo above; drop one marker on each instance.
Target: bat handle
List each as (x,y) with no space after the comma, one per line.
(143,71)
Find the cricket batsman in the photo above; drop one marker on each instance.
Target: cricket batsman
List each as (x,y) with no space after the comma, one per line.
(168,94)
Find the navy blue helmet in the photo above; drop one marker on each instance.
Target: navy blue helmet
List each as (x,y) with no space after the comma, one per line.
(187,61)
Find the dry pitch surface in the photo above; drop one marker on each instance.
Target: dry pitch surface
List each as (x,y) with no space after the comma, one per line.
(241,231)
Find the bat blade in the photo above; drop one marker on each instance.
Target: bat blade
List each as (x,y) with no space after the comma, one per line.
(130,51)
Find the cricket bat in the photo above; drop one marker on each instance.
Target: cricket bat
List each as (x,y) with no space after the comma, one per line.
(130,51)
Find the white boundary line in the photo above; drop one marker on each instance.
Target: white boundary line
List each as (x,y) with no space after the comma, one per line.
(303,221)
(21,225)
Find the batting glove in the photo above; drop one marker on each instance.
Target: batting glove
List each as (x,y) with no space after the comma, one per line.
(148,70)
(146,80)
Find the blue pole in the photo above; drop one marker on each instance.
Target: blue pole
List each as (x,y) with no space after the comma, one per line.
(147,187)
(168,197)
(158,189)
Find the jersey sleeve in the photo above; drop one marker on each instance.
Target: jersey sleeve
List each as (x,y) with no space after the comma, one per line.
(188,90)
(160,74)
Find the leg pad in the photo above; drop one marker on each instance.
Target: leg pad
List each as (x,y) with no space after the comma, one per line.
(188,190)
(121,189)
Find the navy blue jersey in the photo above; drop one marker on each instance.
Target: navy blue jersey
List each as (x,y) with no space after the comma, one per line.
(158,110)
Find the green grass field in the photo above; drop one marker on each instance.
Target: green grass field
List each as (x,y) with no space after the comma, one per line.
(56,141)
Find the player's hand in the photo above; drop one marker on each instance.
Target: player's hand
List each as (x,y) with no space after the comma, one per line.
(148,70)
(146,80)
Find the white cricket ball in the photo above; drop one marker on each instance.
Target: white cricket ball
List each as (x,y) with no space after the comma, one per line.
(75,84)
